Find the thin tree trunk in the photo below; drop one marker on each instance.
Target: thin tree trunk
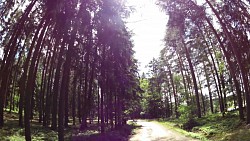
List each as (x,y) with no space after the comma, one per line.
(174,92)
(30,77)
(74,98)
(238,59)
(63,93)
(56,88)
(231,70)
(194,80)
(103,75)
(8,58)
(209,88)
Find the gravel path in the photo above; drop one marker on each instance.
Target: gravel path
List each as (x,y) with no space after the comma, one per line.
(151,131)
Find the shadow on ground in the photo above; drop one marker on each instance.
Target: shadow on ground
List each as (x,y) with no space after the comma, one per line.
(122,134)
(12,132)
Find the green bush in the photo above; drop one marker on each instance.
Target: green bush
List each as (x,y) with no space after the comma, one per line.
(187,117)
(186,112)
(190,124)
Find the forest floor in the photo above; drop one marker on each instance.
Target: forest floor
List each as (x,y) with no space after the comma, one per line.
(12,132)
(121,134)
(213,127)
(141,130)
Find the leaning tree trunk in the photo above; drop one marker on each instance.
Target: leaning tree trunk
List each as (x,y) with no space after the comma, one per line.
(9,55)
(221,102)
(65,84)
(28,90)
(194,80)
(180,62)
(63,93)
(209,88)
(231,70)
(56,86)
(234,47)
(174,92)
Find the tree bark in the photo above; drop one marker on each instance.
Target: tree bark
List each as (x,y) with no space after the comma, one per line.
(194,81)
(209,88)
(238,59)
(231,70)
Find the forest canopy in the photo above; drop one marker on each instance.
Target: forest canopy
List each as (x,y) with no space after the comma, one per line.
(204,67)
(71,62)
(66,59)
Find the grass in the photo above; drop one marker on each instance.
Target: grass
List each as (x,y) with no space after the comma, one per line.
(213,127)
(12,132)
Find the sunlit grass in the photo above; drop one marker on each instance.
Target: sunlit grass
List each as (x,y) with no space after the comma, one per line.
(173,126)
(12,132)
(214,127)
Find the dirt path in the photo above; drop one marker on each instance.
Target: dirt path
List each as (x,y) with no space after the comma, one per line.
(151,131)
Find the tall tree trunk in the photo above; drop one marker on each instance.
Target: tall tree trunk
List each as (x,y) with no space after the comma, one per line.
(56,86)
(9,54)
(86,83)
(180,62)
(209,88)
(30,77)
(40,105)
(74,98)
(103,89)
(65,84)
(224,92)
(231,70)
(102,108)
(202,96)
(79,98)
(234,47)
(174,92)
(220,97)
(194,80)
(48,92)
(45,90)
(98,105)
(63,93)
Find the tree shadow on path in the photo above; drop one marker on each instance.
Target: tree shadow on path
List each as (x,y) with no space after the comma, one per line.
(121,134)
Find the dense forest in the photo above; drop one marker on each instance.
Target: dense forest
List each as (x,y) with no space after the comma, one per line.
(204,66)
(71,62)
(66,59)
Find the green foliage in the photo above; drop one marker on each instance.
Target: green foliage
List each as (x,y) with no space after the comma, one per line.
(12,132)
(185,112)
(186,117)
(155,108)
(214,127)
(190,124)
(171,124)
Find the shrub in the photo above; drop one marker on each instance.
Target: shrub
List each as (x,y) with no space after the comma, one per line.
(187,117)
(190,124)
(186,112)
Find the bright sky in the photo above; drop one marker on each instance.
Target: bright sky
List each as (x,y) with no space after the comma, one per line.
(148,24)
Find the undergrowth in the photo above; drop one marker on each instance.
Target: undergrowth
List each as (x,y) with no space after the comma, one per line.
(12,132)
(213,127)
